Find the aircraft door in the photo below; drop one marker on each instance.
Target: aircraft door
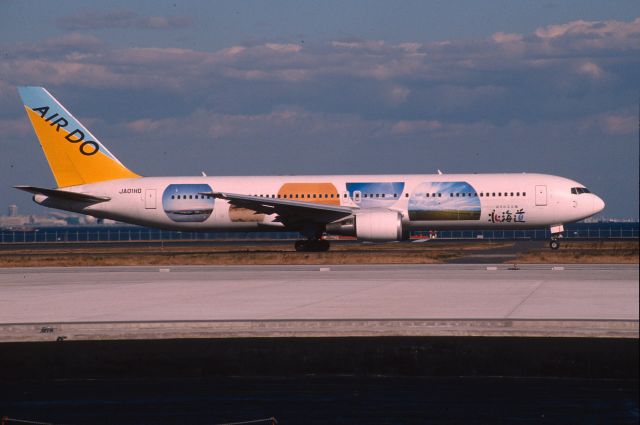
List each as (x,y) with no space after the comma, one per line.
(150,199)
(356,196)
(541,195)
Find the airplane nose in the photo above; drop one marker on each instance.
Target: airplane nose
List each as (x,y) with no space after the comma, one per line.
(598,204)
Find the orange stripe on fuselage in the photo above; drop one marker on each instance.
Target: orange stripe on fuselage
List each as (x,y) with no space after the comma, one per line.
(319,190)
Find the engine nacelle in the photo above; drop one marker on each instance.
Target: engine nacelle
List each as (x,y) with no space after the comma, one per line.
(378,225)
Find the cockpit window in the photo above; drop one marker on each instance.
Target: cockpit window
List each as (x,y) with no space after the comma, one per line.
(579,190)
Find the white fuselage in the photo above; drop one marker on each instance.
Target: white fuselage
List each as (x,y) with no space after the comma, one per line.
(425,201)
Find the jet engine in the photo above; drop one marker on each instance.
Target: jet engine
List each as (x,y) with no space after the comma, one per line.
(375,225)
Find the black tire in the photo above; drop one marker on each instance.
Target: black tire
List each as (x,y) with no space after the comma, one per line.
(554,244)
(322,246)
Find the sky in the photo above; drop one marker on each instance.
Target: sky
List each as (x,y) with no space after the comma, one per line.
(333,87)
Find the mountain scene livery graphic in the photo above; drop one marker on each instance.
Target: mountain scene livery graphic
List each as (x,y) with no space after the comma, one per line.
(444,201)
(376,194)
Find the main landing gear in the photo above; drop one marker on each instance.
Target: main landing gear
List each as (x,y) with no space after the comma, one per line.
(554,243)
(312,245)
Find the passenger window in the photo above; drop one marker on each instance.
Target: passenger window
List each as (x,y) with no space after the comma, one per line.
(524,193)
(439,195)
(406,195)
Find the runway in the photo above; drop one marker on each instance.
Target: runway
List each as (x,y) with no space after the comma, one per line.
(234,301)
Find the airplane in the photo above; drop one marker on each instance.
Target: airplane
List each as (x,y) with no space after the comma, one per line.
(376,208)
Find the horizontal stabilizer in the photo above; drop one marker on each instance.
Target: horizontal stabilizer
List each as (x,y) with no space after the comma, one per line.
(64,194)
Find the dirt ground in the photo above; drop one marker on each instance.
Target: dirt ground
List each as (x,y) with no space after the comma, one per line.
(62,255)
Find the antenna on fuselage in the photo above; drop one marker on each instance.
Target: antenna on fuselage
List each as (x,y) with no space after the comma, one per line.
(203,174)
(440,172)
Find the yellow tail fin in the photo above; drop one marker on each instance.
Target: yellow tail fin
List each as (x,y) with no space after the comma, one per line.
(75,156)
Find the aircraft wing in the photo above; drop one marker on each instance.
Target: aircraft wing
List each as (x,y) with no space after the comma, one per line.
(64,194)
(288,211)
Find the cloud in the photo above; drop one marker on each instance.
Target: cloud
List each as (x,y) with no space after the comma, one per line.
(404,127)
(594,29)
(561,71)
(591,69)
(620,124)
(91,20)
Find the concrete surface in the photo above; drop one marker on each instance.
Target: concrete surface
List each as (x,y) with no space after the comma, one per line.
(439,299)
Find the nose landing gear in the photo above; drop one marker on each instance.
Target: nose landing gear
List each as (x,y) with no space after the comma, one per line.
(556,233)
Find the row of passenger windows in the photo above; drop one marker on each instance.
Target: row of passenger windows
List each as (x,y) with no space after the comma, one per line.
(373,195)
(302,195)
(190,196)
(486,194)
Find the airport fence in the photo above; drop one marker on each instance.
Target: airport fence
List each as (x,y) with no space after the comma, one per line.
(139,234)
(588,233)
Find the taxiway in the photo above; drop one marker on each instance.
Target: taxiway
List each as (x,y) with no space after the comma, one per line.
(228,301)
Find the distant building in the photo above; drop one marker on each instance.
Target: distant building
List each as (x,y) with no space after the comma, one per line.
(13,210)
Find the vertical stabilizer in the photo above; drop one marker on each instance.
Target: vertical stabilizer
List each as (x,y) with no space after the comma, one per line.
(74,154)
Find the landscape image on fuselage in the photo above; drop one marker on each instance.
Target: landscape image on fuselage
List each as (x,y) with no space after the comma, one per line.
(444,201)
(185,203)
(376,195)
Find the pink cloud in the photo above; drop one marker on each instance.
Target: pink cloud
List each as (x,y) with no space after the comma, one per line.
(618,124)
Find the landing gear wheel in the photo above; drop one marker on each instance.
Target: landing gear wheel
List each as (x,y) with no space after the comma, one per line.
(322,246)
(312,245)
(554,244)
